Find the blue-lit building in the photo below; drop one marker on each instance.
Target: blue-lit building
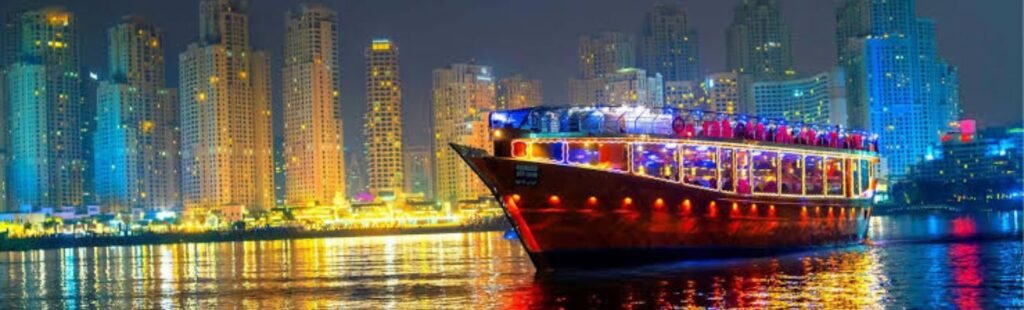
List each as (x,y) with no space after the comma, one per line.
(970,169)
(43,96)
(817,99)
(896,84)
(135,145)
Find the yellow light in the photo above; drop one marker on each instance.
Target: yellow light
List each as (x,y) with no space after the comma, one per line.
(380,45)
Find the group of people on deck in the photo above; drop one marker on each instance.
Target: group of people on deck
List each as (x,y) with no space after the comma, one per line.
(777,131)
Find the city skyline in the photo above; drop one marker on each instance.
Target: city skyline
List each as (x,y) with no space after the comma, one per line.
(813,46)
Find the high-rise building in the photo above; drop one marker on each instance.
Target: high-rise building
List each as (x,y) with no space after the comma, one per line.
(948,109)
(136,138)
(626,86)
(758,43)
(683,94)
(722,93)
(669,46)
(605,53)
(313,149)
(893,78)
(419,171)
(382,124)
(464,94)
(355,175)
(818,99)
(43,98)
(224,97)
(518,91)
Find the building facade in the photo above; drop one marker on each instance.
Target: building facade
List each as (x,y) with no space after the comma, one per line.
(224,101)
(136,138)
(683,94)
(626,86)
(382,124)
(893,72)
(419,171)
(669,45)
(722,93)
(817,99)
(518,91)
(605,53)
(758,42)
(464,95)
(43,97)
(314,163)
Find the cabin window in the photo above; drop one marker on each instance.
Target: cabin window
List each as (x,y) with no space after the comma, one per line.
(727,171)
(743,185)
(607,156)
(549,151)
(656,160)
(519,149)
(699,166)
(865,176)
(792,174)
(834,176)
(765,171)
(813,179)
(852,176)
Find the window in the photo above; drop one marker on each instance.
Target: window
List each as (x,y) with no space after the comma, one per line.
(699,166)
(865,176)
(583,153)
(656,160)
(813,176)
(550,151)
(834,176)
(743,172)
(519,149)
(792,174)
(765,170)
(728,171)
(609,156)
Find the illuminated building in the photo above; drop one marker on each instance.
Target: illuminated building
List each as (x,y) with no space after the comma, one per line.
(43,97)
(419,171)
(978,169)
(382,123)
(464,94)
(518,91)
(683,94)
(355,175)
(722,93)
(136,138)
(758,42)
(224,100)
(626,86)
(818,99)
(669,46)
(604,53)
(894,78)
(315,165)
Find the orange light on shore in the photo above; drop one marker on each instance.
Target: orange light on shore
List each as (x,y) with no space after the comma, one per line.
(554,200)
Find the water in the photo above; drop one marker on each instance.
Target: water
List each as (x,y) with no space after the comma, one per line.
(904,267)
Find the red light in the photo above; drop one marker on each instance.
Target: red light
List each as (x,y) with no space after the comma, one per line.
(687,207)
(659,204)
(735,206)
(554,200)
(515,197)
(592,201)
(712,209)
(627,202)
(771,210)
(803,211)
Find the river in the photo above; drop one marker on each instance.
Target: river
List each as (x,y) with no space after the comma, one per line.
(913,261)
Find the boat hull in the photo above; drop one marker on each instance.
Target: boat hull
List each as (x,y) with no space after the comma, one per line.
(574,217)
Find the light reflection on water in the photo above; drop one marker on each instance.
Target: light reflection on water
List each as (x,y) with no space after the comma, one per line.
(483,270)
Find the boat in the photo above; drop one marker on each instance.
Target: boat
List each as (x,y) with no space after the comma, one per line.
(596,187)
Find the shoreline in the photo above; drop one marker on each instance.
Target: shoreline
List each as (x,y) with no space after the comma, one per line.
(265,234)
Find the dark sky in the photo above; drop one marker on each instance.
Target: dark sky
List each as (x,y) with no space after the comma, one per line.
(538,37)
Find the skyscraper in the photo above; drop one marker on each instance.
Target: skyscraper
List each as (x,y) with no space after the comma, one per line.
(518,91)
(464,94)
(604,53)
(893,78)
(43,96)
(817,99)
(683,94)
(419,171)
(224,99)
(136,139)
(382,127)
(758,43)
(313,149)
(669,45)
(632,87)
(722,93)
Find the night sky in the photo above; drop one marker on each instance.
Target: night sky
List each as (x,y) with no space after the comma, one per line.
(538,38)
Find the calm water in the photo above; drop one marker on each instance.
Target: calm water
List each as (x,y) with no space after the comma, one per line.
(483,270)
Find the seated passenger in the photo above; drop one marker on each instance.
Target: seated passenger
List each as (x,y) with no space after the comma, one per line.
(743,187)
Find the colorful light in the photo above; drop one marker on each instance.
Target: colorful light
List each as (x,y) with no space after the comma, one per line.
(554,200)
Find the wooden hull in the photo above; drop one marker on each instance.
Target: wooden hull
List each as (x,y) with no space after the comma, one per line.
(573,217)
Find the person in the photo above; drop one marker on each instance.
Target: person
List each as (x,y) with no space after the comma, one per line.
(782,132)
(726,127)
(759,131)
(714,130)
